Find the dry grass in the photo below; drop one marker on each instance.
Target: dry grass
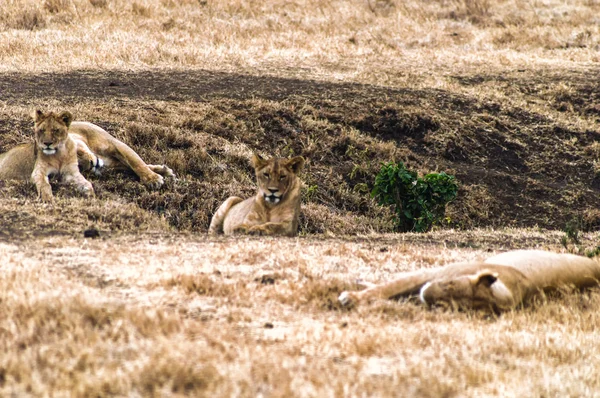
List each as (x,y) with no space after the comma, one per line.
(154,315)
(377,41)
(502,94)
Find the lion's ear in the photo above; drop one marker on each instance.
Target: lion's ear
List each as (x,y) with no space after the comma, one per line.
(37,116)
(296,164)
(485,278)
(66,117)
(257,161)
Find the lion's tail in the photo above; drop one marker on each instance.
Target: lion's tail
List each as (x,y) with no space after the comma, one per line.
(216,224)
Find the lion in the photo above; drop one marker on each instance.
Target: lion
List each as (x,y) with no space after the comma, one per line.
(96,149)
(61,143)
(500,283)
(275,208)
(52,152)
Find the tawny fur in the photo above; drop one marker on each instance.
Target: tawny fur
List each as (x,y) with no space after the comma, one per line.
(53,152)
(83,144)
(500,283)
(275,208)
(93,141)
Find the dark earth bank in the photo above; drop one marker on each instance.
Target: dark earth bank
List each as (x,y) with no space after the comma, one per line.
(518,166)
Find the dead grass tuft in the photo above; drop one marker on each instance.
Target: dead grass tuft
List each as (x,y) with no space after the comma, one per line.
(204,285)
(177,375)
(141,10)
(313,293)
(57,6)
(26,18)
(323,294)
(99,3)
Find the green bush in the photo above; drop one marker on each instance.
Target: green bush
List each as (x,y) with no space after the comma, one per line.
(419,203)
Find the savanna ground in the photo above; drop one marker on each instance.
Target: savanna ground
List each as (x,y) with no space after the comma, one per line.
(504,95)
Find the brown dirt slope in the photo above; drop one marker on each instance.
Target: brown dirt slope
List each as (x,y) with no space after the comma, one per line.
(518,163)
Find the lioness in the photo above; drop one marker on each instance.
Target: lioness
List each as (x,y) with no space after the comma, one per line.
(52,152)
(500,283)
(60,143)
(96,148)
(275,208)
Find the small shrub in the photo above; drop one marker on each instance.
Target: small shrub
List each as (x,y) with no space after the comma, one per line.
(419,202)
(594,252)
(572,229)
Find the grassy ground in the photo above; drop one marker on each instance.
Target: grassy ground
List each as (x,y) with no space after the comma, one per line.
(178,314)
(504,95)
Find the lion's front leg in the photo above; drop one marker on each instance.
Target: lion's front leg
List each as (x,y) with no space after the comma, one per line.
(72,175)
(42,184)
(130,158)
(87,159)
(270,228)
(241,229)
(406,284)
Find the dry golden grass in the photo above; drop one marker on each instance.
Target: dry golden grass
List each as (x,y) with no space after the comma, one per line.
(503,94)
(177,315)
(383,42)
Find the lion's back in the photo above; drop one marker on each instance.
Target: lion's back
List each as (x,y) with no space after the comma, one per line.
(237,214)
(18,163)
(548,269)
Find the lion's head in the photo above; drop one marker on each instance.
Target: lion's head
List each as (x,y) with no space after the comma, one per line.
(51,130)
(275,176)
(481,290)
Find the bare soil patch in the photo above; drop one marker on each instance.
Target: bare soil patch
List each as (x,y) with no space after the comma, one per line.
(516,166)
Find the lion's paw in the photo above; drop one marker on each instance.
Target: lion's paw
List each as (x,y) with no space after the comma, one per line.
(256,230)
(87,190)
(154,181)
(97,166)
(168,172)
(347,299)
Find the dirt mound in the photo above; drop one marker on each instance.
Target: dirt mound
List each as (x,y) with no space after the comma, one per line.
(516,166)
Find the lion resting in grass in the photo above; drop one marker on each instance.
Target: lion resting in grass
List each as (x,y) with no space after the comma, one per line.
(96,148)
(52,152)
(274,210)
(61,145)
(500,283)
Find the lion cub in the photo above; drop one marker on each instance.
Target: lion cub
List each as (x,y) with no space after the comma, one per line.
(53,152)
(275,208)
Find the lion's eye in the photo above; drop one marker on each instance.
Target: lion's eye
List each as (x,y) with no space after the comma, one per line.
(266,175)
(282,178)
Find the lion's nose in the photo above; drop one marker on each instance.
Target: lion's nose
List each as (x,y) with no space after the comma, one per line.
(47,143)
(273,190)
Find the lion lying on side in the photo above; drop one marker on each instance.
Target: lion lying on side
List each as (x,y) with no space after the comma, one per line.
(274,210)
(96,148)
(61,145)
(500,283)
(52,152)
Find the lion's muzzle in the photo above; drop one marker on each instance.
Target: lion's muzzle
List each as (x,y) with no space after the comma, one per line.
(274,196)
(49,150)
